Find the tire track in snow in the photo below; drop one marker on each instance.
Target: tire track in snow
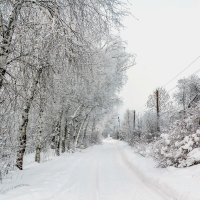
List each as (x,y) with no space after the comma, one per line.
(96,175)
(164,194)
(73,190)
(65,187)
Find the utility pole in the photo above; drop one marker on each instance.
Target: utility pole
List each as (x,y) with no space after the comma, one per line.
(118,132)
(119,122)
(158,110)
(134,120)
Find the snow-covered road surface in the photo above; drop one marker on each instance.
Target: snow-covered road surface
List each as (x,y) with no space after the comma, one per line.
(102,172)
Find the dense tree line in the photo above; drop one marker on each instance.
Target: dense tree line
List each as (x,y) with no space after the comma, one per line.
(60,70)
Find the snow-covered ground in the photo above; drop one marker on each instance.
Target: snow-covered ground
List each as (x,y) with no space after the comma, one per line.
(111,171)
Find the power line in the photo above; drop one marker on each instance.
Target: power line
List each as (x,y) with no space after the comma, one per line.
(198,70)
(187,67)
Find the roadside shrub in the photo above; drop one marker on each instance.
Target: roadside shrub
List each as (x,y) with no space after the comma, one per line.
(180,146)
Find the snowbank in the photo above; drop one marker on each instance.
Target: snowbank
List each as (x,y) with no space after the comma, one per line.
(183,183)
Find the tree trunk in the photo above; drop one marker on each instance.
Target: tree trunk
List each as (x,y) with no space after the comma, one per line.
(64,139)
(58,135)
(85,134)
(38,153)
(68,140)
(58,145)
(80,128)
(24,124)
(22,140)
(65,131)
(93,125)
(40,128)
(57,139)
(71,129)
(78,134)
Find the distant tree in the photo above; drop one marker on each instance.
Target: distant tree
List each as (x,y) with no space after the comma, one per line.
(188,88)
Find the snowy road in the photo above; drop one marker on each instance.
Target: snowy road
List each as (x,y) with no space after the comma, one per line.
(102,172)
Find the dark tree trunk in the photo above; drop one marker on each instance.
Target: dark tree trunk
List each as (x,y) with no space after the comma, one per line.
(64,139)
(58,135)
(38,154)
(23,126)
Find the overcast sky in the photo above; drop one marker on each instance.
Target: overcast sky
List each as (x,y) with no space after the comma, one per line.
(166,39)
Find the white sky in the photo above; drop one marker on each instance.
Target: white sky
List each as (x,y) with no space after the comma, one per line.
(166,39)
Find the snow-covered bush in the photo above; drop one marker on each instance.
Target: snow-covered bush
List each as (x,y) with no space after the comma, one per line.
(180,145)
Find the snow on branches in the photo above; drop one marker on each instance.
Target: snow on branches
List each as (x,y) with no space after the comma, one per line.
(60,71)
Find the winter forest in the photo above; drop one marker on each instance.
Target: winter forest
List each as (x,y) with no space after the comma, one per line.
(63,65)
(61,69)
